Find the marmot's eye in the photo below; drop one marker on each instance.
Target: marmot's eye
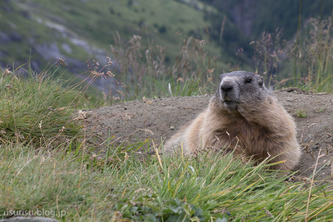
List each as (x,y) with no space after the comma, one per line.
(248,80)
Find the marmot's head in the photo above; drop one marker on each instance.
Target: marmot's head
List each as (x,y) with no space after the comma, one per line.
(240,87)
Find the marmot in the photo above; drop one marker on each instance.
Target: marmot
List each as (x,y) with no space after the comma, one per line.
(243,115)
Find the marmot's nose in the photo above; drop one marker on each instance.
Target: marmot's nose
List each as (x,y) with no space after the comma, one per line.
(226,87)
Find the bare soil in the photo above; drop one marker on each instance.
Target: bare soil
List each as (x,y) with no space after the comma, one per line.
(160,118)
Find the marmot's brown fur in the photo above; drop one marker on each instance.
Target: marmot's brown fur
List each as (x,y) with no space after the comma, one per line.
(242,115)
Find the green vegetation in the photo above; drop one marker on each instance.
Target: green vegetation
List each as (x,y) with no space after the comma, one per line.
(46,163)
(312,57)
(304,63)
(246,20)
(78,187)
(80,30)
(145,72)
(46,166)
(36,109)
(301,114)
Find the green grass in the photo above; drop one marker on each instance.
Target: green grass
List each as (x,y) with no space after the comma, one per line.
(164,24)
(309,62)
(105,17)
(312,56)
(47,169)
(301,114)
(157,188)
(36,108)
(96,23)
(144,71)
(46,166)
(160,23)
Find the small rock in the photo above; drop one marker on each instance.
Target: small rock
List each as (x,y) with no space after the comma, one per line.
(289,99)
(82,115)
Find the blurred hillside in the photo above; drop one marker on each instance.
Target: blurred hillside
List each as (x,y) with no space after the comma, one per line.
(82,28)
(38,31)
(76,31)
(245,20)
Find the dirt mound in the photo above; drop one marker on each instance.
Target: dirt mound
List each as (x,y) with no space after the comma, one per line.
(160,118)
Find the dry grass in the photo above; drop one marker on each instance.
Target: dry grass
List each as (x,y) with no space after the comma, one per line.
(305,62)
(144,70)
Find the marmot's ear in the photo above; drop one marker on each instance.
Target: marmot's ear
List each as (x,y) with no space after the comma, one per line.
(222,75)
(260,81)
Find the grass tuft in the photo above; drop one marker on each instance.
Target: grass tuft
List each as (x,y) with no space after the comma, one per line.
(204,188)
(36,108)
